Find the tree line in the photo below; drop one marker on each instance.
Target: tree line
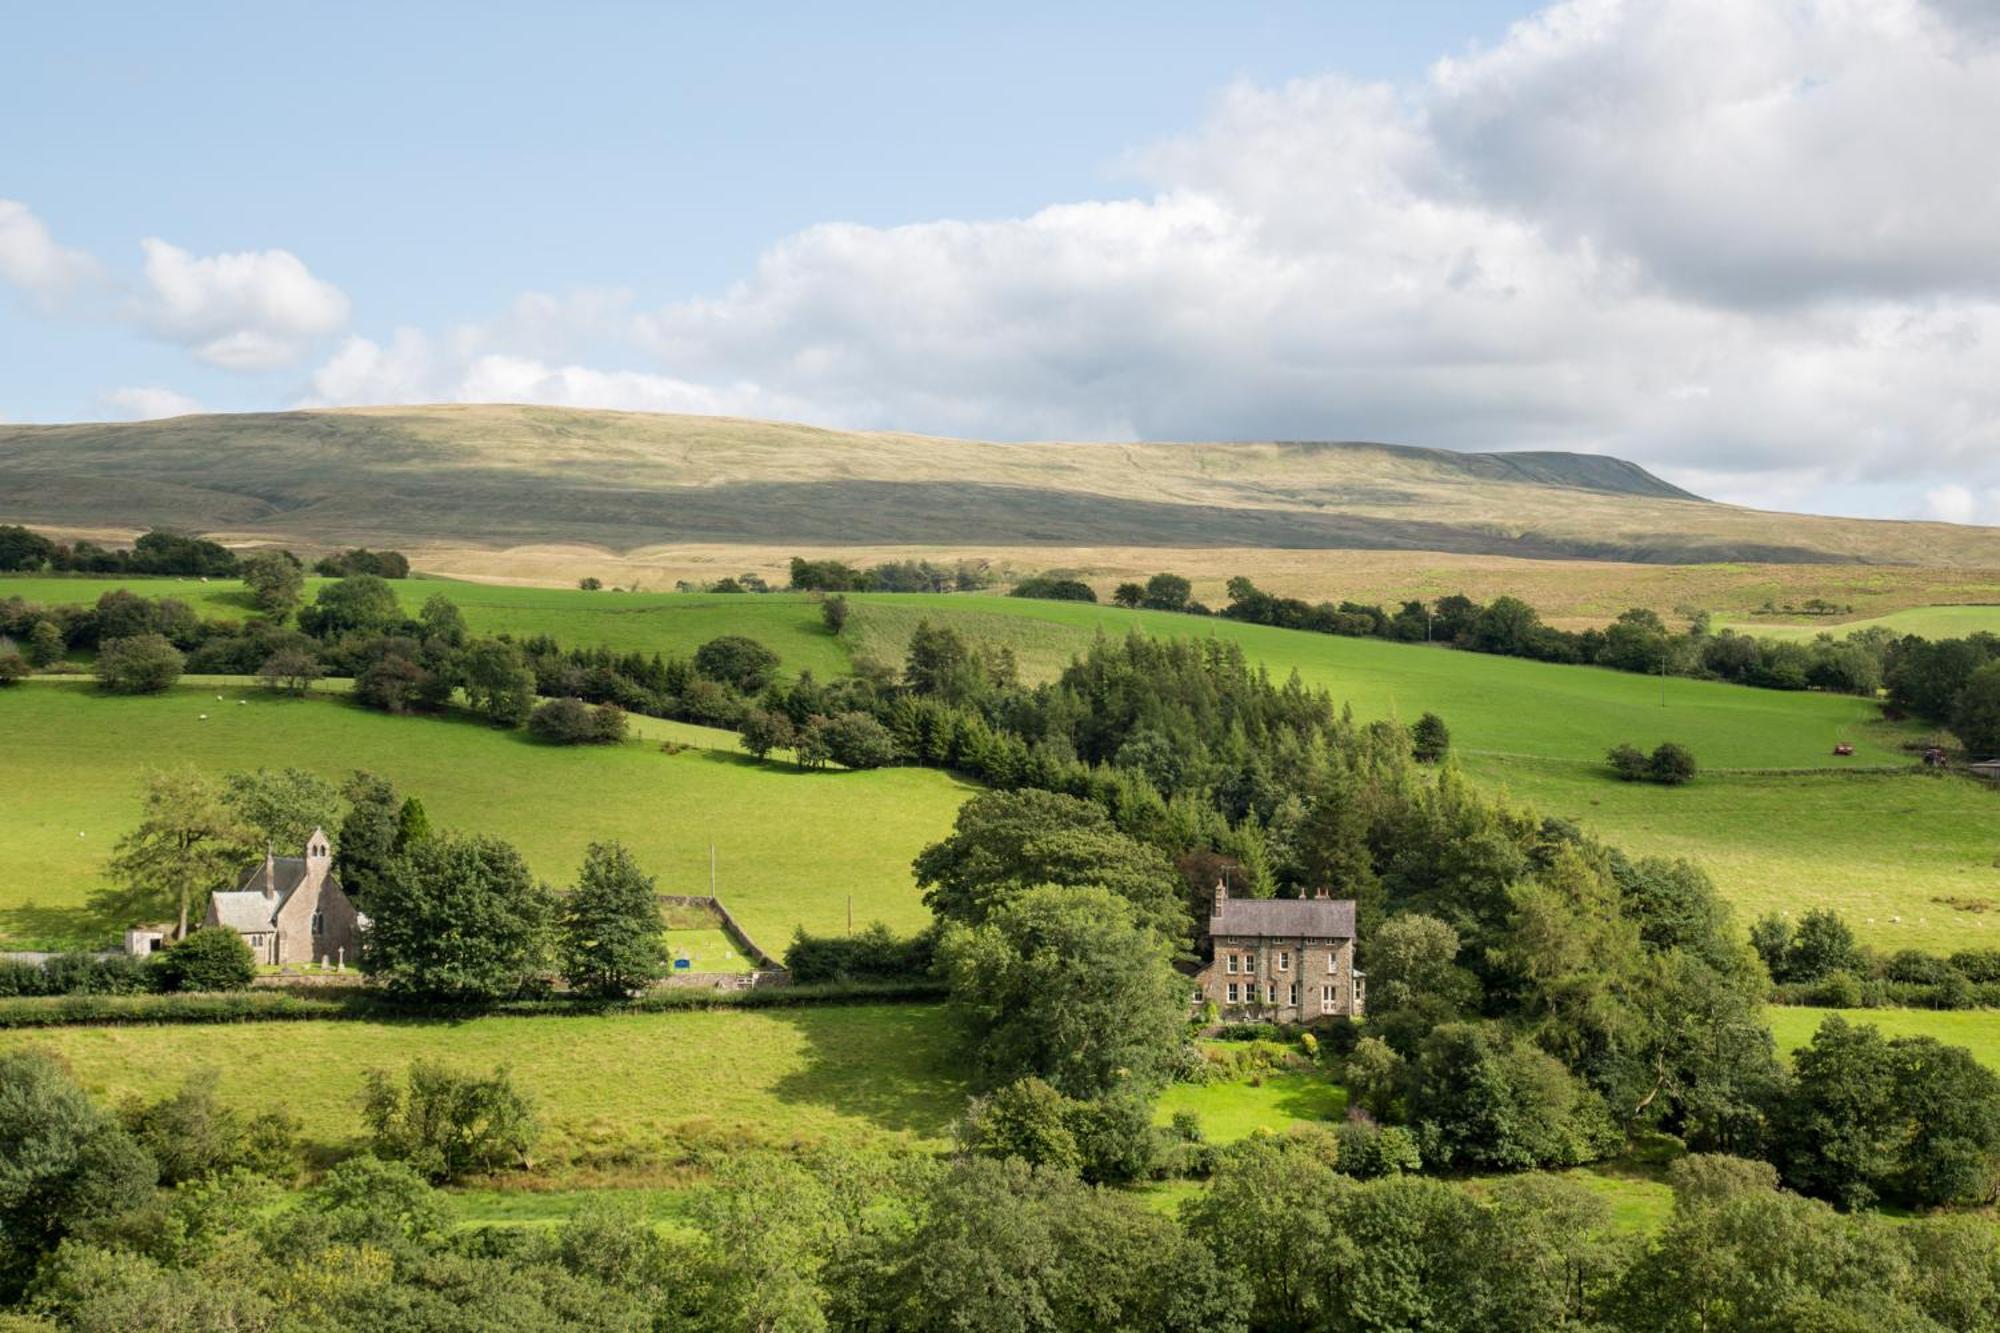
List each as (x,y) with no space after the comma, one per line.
(179,1213)
(166,552)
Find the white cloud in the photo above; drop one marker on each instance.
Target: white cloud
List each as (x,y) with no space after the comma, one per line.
(250,311)
(1746,244)
(31,260)
(150,403)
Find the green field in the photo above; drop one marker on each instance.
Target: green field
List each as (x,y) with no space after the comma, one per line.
(606,1087)
(1978,1030)
(1777,822)
(1930,622)
(1887,850)
(791,846)
(652,622)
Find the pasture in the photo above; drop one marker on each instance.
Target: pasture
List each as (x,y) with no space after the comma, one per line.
(791,846)
(672,624)
(1929,622)
(1907,857)
(608,1089)
(1978,1030)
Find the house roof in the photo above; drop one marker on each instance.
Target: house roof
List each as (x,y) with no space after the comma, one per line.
(246,910)
(288,872)
(1323,918)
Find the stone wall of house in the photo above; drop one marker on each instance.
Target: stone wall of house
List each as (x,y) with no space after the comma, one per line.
(1271,967)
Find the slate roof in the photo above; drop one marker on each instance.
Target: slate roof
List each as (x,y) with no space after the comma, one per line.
(290,870)
(1292,918)
(246,910)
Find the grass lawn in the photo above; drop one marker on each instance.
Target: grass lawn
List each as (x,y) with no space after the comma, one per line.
(548,1208)
(604,1085)
(1232,1111)
(707,951)
(1976,1029)
(1883,849)
(791,846)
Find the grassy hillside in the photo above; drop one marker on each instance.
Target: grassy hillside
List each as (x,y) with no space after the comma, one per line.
(1930,622)
(791,846)
(606,1087)
(1978,1030)
(505,476)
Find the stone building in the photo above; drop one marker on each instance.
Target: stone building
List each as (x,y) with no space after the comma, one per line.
(1281,960)
(291,909)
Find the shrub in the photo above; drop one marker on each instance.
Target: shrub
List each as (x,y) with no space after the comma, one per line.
(1977,965)
(448,1125)
(192,1135)
(1627,761)
(574,722)
(214,958)
(733,660)
(1048,588)
(872,955)
(1917,968)
(138,664)
(13,667)
(833,613)
(856,740)
(1430,739)
(1368,1150)
(1671,764)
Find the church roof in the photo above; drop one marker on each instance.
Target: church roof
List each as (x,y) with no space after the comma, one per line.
(1292,918)
(246,910)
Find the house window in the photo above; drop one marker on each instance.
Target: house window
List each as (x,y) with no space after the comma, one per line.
(1284,960)
(1270,993)
(1332,964)
(1232,992)
(1232,962)
(319,923)
(1326,999)
(1295,995)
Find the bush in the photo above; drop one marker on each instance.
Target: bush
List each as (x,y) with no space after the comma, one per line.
(833,613)
(1368,1150)
(214,958)
(856,740)
(873,955)
(743,664)
(192,1135)
(1050,589)
(1627,761)
(574,722)
(1430,739)
(449,1125)
(139,664)
(1671,765)
(13,667)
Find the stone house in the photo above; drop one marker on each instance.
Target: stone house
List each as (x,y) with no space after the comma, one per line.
(1281,960)
(291,909)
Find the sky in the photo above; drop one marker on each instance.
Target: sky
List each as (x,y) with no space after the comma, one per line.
(1753,245)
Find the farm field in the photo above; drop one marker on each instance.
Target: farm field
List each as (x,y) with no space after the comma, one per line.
(668,623)
(791,846)
(605,1086)
(1500,705)
(1930,622)
(1887,850)
(1787,832)
(1978,1030)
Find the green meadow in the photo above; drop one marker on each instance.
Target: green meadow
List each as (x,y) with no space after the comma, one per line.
(1978,1030)
(1781,823)
(1232,1111)
(791,847)
(608,1089)
(651,622)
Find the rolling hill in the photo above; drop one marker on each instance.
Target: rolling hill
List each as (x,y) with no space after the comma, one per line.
(508,476)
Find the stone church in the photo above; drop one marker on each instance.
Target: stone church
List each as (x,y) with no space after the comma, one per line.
(291,909)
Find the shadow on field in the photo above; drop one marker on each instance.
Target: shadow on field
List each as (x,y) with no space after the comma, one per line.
(890,1065)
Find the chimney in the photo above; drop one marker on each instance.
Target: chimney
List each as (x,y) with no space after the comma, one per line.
(270,872)
(1221,896)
